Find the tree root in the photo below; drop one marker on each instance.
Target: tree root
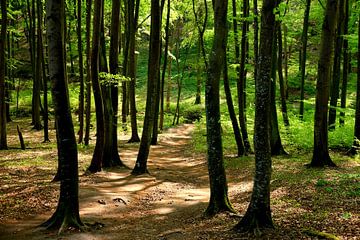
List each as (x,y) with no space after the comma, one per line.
(321,235)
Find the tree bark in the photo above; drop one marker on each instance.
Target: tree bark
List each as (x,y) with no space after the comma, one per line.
(356,144)
(3,135)
(232,114)
(153,69)
(88,74)
(321,155)
(219,201)
(258,214)
(81,73)
(346,65)
(97,159)
(302,63)
(67,213)
(336,72)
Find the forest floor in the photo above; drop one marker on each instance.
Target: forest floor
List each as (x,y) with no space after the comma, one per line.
(169,202)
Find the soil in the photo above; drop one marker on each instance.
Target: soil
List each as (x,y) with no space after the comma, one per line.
(168,203)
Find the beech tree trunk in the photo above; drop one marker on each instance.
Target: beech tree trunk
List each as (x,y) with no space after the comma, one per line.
(346,65)
(302,63)
(153,69)
(219,200)
(321,155)
(3,137)
(67,212)
(81,72)
(258,214)
(88,74)
(336,72)
(97,159)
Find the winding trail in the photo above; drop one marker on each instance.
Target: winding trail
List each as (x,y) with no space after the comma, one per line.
(159,205)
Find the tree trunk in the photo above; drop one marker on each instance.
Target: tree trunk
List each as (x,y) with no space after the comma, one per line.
(232,114)
(219,200)
(3,137)
(281,78)
(168,89)
(97,159)
(346,66)
(302,63)
(336,72)
(132,71)
(81,73)
(67,213)
(258,214)
(153,69)
(356,144)
(256,38)
(240,59)
(88,75)
(321,155)
(114,64)
(162,83)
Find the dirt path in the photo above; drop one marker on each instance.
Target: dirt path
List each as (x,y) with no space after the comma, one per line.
(162,205)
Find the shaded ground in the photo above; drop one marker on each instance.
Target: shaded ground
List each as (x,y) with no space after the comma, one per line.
(168,203)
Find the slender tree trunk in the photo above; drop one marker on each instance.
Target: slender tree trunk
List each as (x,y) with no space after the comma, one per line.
(168,89)
(153,69)
(219,200)
(41,68)
(88,75)
(97,159)
(302,63)
(3,136)
(286,61)
(114,64)
(258,214)
(124,89)
(132,71)
(67,212)
(356,144)
(346,65)
(336,72)
(81,73)
(38,76)
(240,83)
(321,155)
(232,114)
(281,78)
(162,83)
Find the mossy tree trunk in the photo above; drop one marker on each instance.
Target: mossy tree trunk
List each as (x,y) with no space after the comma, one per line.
(153,74)
(67,212)
(321,155)
(219,200)
(81,72)
(258,214)
(3,136)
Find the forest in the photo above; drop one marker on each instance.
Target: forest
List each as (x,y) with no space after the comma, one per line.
(169,119)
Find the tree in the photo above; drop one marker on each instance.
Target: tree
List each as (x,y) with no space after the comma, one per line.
(219,200)
(304,39)
(3,140)
(81,72)
(153,70)
(258,214)
(356,144)
(321,155)
(67,211)
(97,159)
(88,74)
(336,72)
